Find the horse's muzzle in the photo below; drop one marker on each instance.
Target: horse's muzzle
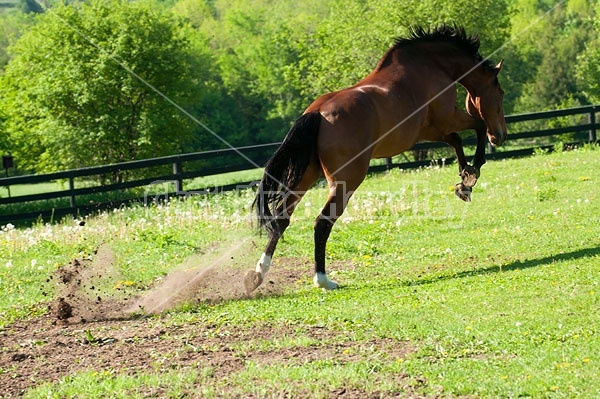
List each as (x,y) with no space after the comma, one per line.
(497,139)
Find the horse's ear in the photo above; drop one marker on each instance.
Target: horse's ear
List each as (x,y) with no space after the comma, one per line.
(499,66)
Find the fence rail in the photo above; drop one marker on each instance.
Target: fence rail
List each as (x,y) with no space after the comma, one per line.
(245,158)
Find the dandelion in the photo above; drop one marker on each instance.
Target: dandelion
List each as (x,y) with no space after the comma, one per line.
(9,264)
(8,227)
(33,262)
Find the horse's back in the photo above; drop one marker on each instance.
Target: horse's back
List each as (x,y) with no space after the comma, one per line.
(349,118)
(368,118)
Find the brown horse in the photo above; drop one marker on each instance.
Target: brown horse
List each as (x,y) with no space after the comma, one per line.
(409,97)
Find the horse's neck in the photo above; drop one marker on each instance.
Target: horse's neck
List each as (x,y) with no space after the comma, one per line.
(462,68)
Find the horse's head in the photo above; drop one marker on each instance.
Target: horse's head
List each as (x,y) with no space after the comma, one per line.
(485,102)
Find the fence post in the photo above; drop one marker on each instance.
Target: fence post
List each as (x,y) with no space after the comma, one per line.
(592,121)
(388,163)
(7,163)
(177,175)
(72,202)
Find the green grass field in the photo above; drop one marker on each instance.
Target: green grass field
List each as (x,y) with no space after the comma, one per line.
(497,298)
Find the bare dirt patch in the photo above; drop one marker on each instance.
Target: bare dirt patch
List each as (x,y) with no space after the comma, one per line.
(211,277)
(88,330)
(41,350)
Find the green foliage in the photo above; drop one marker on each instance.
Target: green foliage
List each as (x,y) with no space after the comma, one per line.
(246,70)
(255,45)
(543,54)
(275,58)
(81,86)
(9,26)
(31,6)
(283,58)
(588,64)
(339,54)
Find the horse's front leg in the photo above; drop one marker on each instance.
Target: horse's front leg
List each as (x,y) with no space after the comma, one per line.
(466,171)
(470,174)
(479,158)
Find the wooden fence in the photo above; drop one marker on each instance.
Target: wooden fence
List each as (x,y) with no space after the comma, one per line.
(581,125)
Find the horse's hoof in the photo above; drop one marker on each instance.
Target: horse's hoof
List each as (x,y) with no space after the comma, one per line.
(252,280)
(322,281)
(463,192)
(469,175)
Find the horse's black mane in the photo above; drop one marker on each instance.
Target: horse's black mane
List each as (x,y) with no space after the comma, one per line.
(454,34)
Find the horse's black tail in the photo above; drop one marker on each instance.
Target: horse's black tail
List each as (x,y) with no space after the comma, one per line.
(284,171)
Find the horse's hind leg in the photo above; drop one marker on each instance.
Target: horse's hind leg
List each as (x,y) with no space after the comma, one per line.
(282,217)
(323,225)
(339,195)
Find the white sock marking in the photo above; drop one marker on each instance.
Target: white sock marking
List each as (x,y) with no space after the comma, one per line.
(322,281)
(263,265)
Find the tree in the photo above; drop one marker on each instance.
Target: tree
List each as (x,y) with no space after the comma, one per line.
(544,53)
(255,44)
(351,41)
(85,85)
(588,65)
(31,6)
(275,57)
(12,24)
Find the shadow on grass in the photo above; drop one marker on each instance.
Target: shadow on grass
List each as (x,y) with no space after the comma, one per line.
(517,265)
